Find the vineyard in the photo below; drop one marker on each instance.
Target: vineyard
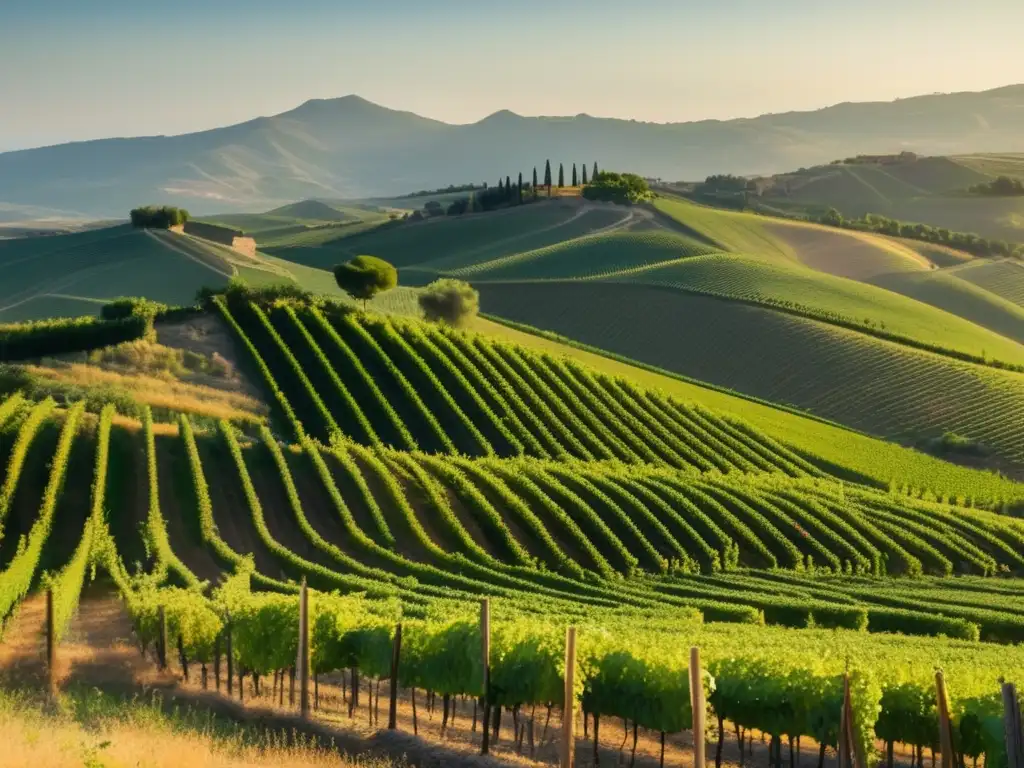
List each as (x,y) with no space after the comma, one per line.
(874,385)
(408,470)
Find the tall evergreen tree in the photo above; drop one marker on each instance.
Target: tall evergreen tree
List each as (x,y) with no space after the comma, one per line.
(584,174)
(501,190)
(508,188)
(535,177)
(593,176)
(574,182)
(520,198)
(561,176)
(547,173)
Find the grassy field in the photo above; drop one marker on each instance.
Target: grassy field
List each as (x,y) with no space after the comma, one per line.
(67,274)
(71,275)
(820,295)
(873,385)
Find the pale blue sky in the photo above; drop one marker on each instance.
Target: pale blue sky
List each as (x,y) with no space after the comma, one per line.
(71,69)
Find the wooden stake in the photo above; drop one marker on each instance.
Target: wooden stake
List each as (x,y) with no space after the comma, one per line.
(569,700)
(396,653)
(1012,727)
(844,728)
(161,648)
(485,650)
(216,663)
(51,643)
(945,727)
(303,665)
(231,661)
(699,707)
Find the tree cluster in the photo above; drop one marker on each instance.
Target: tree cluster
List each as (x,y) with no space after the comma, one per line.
(442,190)
(725,182)
(617,188)
(158,217)
(964,241)
(1003,186)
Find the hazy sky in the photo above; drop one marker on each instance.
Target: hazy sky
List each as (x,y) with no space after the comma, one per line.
(78,69)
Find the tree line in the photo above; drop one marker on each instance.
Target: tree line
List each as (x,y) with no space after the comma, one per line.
(964,241)
(1002,186)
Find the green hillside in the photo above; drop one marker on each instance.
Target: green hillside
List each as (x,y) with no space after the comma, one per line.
(1004,278)
(823,296)
(930,190)
(71,275)
(594,256)
(950,291)
(877,386)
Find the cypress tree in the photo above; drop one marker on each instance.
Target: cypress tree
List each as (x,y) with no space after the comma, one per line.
(547,173)
(561,176)
(508,188)
(574,175)
(535,177)
(520,187)
(584,174)
(593,176)
(501,190)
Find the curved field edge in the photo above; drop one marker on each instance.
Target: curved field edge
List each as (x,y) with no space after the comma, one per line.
(867,458)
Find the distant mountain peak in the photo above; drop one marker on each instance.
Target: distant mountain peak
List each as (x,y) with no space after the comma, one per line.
(501,115)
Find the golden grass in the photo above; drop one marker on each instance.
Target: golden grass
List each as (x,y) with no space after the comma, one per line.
(158,392)
(147,737)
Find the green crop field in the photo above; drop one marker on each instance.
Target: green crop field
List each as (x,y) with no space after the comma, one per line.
(452,242)
(823,296)
(1003,278)
(877,386)
(594,256)
(949,290)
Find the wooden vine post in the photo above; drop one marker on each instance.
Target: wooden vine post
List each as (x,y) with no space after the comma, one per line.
(302,667)
(230,660)
(485,643)
(849,747)
(51,643)
(945,726)
(1012,727)
(396,654)
(569,700)
(699,708)
(161,648)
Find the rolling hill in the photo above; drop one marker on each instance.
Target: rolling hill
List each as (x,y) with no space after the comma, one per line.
(873,385)
(351,148)
(75,274)
(929,190)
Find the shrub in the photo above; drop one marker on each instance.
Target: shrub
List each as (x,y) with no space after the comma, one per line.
(454,302)
(132,306)
(365,276)
(158,217)
(617,188)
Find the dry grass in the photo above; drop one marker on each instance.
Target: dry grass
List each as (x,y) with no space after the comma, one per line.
(92,730)
(157,392)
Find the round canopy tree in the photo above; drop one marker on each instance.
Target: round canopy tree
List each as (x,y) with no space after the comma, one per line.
(365,276)
(449,301)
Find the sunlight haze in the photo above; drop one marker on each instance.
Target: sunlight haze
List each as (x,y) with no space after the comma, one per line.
(75,71)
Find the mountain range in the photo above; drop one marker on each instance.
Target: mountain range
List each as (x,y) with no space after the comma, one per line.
(351,148)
